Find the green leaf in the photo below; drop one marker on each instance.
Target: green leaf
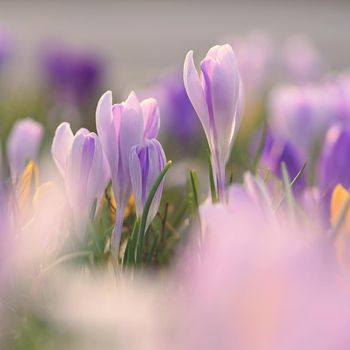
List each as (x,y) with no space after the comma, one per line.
(214,197)
(296,178)
(152,249)
(287,188)
(194,185)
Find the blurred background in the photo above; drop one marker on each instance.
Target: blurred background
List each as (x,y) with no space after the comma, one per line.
(58,57)
(140,39)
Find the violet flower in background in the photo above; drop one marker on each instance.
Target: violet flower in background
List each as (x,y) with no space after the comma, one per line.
(337,95)
(82,163)
(23,145)
(120,127)
(276,152)
(217,98)
(146,163)
(299,115)
(178,116)
(333,166)
(73,77)
(255,58)
(301,60)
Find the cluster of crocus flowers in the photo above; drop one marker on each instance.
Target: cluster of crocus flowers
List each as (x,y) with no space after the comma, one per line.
(127,131)
(216,96)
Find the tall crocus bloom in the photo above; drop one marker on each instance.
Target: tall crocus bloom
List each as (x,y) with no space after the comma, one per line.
(23,144)
(216,97)
(146,163)
(82,163)
(120,127)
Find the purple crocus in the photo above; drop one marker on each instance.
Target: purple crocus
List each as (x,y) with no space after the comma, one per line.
(146,163)
(216,98)
(299,115)
(334,161)
(74,77)
(178,115)
(23,144)
(82,163)
(120,127)
(276,152)
(6,46)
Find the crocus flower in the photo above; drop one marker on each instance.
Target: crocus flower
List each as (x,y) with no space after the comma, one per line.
(178,114)
(82,163)
(120,127)
(74,77)
(146,163)
(337,95)
(299,115)
(216,97)
(333,166)
(23,144)
(276,152)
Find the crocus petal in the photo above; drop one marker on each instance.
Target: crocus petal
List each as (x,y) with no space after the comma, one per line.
(73,172)
(104,116)
(136,178)
(107,128)
(98,174)
(157,161)
(131,132)
(195,92)
(151,117)
(225,98)
(61,145)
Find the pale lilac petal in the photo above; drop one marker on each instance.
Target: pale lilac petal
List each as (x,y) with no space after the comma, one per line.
(157,163)
(136,178)
(151,117)
(213,52)
(225,94)
(130,134)
(61,145)
(23,145)
(104,117)
(195,91)
(73,172)
(98,173)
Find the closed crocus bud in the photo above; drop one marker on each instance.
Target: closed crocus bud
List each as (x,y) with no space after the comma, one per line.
(298,114)
(334,161)
(120,127)
(216,98)
(146,163)
(23,144)
(81,161)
